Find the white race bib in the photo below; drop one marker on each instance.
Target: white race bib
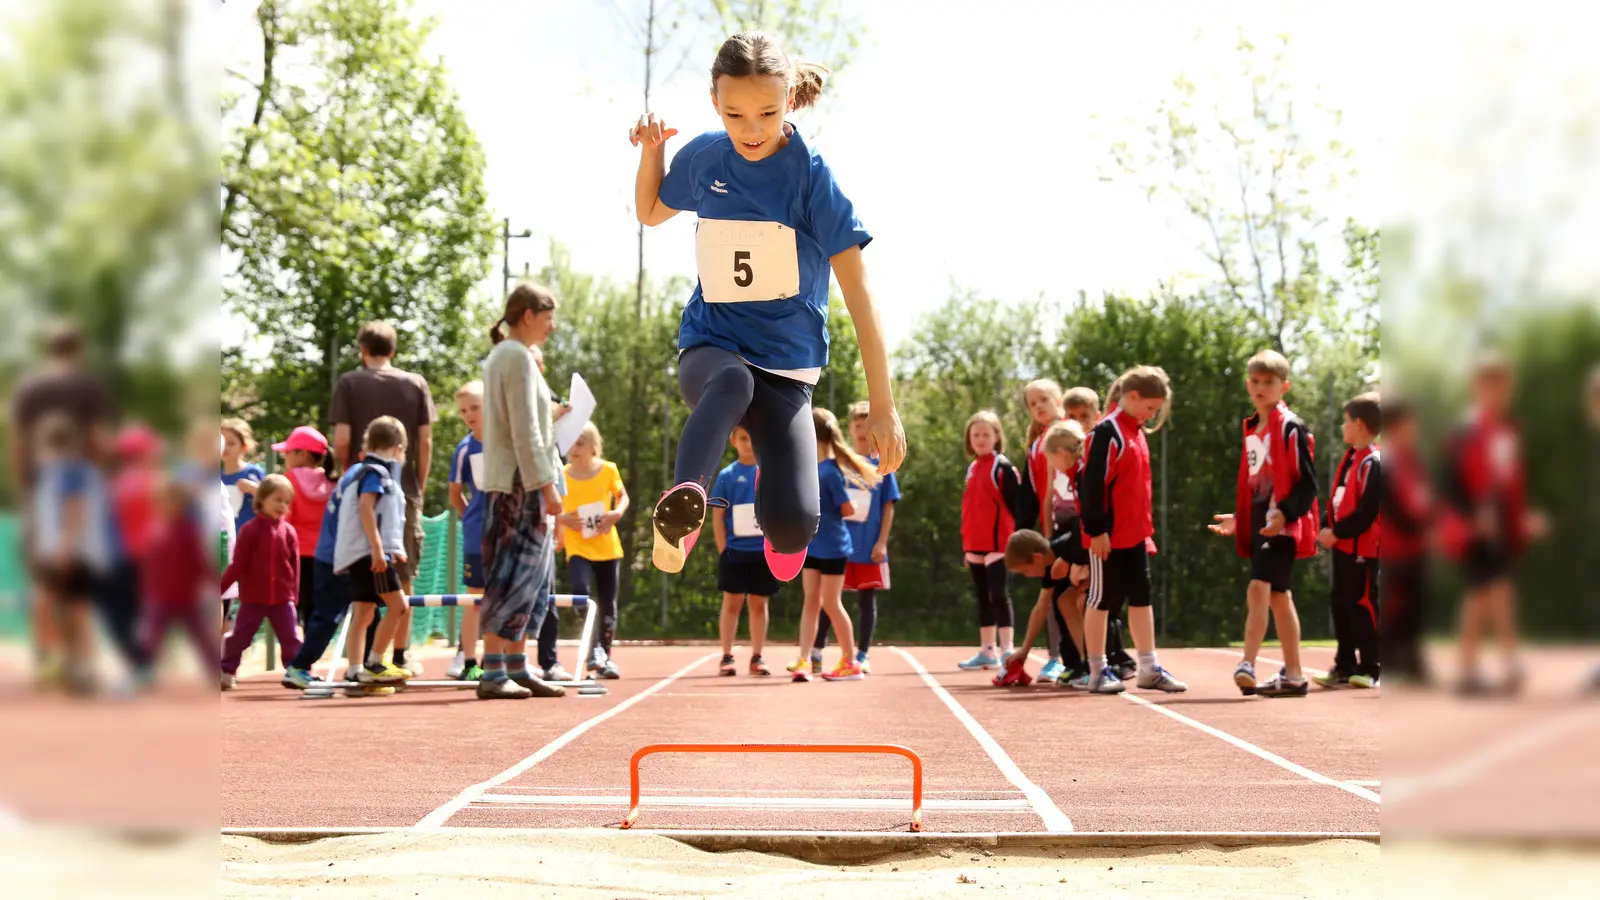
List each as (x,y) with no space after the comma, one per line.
(475,464)
(744,521)
(1063,485)
(744,262)
(862,501)
(236,499)
(591,514)
(1338,497)
(1256,449)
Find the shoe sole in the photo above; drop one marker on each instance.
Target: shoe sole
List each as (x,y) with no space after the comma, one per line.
(728,673)
(502,696)
(978,668)
(842,678)
(679,514)
(1116,690)
(1245,683)
(1280,694)
(1164,690)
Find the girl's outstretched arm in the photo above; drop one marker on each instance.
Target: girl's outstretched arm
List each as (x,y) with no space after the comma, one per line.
(887,437)
(650,135)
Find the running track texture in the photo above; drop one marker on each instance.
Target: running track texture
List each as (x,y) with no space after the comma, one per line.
(1038,759)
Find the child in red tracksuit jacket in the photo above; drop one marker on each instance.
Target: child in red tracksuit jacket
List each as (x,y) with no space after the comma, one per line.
(1352,530)
(180,563)
(1274,522)
(1114,498)
(986,524)
(266,567)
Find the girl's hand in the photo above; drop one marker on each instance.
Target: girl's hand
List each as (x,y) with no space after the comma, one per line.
(886,437)
(1100,545)
(570,521)
(246,486)
(650,131)
(608,522)
(1223,526)
(880,552)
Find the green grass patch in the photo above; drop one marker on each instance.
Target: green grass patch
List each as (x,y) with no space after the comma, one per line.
(1329,644)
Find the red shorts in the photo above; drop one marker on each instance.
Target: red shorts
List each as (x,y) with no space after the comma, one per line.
(866,576)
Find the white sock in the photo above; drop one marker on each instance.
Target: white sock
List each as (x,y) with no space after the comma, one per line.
(375,660)
(988,649)
(1099,663)
(1147,665)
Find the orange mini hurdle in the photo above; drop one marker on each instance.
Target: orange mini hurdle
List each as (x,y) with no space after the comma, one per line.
(890,749)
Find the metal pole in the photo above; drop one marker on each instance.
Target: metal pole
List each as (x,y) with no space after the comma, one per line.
(666,474)
(505,267)
(1166,538)
(453,578)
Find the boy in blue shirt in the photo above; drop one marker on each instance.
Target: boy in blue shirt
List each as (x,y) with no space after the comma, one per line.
(465,465)
(742,572)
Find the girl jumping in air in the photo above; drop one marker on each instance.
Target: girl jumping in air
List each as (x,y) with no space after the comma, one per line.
(753,338)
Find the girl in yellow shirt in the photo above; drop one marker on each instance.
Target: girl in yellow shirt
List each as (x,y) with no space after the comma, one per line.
(594,502)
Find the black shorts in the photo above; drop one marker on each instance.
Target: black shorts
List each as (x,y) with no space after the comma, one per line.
(367,586)
(1485,563)
(1271,559)
(1123,578)
(74,582)
(827,566)
(745,572)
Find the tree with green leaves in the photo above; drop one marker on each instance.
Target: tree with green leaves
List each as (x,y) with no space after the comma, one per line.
(352,189)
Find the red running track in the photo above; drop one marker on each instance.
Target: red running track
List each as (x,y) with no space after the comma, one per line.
(1012,760)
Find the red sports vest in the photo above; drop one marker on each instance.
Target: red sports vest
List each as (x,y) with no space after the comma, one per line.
(986,522)
(1488,460)
(1128,492)
(1285,474)
(1407,487)
(1350,483)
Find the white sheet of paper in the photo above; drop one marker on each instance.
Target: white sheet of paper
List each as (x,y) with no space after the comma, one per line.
(744,520)
(582,400)
(235,498)
(590,513)
(862,501)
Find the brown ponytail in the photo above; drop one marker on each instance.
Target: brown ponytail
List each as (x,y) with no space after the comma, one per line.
(1150,382)
(758,53)
(855,466)
(526,297)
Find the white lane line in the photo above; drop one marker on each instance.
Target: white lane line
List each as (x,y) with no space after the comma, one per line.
(1403,789)
(1019,804)
(1262,659)
(442,815)
(1248,747)
(1055,821)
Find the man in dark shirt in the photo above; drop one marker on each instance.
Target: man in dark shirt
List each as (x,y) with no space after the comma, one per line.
(61,385)
(380,389)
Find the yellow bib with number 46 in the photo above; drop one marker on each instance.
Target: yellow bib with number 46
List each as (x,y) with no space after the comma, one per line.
(746,262)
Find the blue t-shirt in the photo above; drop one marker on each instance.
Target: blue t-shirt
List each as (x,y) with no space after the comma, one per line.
(833,539)
(864,534)
(464,466)
(97,544)
(737,485)
(244,505)
(791,191)
(371,483)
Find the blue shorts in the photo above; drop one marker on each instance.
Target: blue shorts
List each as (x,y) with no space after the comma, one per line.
(472,574)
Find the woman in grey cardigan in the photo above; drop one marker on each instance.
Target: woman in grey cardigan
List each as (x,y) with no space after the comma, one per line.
(520,465)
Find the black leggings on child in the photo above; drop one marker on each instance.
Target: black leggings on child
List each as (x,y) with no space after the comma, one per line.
(994,601)
(866,619)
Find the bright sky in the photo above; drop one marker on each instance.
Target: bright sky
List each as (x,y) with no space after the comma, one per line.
(971,137)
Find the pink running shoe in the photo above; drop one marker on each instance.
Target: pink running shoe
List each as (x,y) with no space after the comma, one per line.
(679,516)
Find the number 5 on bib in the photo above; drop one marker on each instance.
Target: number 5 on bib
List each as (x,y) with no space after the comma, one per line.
(746,262)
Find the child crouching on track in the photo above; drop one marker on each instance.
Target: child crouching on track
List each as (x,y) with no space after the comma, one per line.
(371,518)
(742,572)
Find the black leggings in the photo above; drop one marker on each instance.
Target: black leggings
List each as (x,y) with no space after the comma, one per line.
(598,580)
(866,620)
(994,601)
(724,391)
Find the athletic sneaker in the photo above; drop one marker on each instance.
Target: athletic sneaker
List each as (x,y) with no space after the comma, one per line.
(1106,682)
(229,680)
(473,672)
(414,667)
(727,667)
(1160,680)
(502,690)
(1333,678)
(457,665)
(1127,670)
(369,690)
(538,687)
(384,674)
(679,516)
(1051,671)
(1014,673)
(298,678)
(758,666)
(802,672)
(1516,679)
(797,665)
(1363,681)
(1076,680)
(609,671)
(1281,685)
(980,660)
(1473,685)
(846,670)
(864,663)
(1244,675)
(557,673)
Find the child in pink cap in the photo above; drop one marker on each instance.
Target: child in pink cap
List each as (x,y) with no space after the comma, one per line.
(309,464)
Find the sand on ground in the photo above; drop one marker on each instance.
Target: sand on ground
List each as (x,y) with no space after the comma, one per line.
(447,866)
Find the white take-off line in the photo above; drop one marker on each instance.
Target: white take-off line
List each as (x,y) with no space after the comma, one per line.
(1252,749)
(440,816)
(1404,788)
(1055,821)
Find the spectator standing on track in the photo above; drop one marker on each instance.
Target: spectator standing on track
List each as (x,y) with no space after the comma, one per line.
(1114,495)
(867,569)
(467,499)
(309,463)
(742,572)
(1351,532)
(267,570)
(378,389)
(592,504)
(549,630)
(1274,522)
(521,466)
(987,500)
